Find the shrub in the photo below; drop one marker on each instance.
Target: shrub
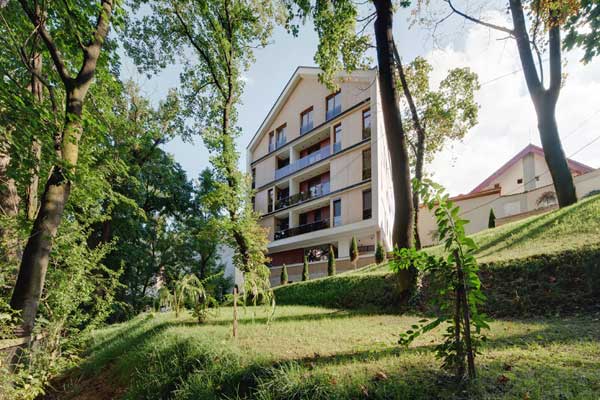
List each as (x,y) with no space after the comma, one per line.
(331,262)
(305,274)
(354,251)
(379,253)
(283,279)
(492,219)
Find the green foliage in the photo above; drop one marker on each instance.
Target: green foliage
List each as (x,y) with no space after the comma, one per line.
(492,219)
(583,30)
(379,253)
(354,250)
(305,273)
(331,262)
(283,279)
(458,296)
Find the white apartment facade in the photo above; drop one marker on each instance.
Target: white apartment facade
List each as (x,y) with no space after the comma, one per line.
(320,167)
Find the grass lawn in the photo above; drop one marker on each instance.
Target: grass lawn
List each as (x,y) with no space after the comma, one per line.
(317,353)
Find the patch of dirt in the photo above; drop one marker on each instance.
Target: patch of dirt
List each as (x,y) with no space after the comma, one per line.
(99,387)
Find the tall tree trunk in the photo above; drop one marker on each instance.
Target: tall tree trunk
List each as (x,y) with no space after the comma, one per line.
(36,147)
(545,101)
(420,150)
(402,232)
(34,264)
(9,207)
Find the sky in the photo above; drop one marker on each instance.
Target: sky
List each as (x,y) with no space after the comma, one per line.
(507,120)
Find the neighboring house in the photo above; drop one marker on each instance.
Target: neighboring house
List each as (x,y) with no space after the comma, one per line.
(520,188)
(320,167)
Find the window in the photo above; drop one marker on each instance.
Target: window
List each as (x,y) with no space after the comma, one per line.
(306,120)
(366,164)
(253,203)
(271,141)
(366,199)
(270,200)
(366,123)
(253,178)
(337,212)
(519,181)
(317,215)
(337,138)
(334,105)
(280,136)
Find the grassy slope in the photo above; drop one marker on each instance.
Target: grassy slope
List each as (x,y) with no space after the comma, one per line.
(316,353)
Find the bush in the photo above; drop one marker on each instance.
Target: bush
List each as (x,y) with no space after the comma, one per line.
(353,251)
(331,262)
(492,219)
(305,274)
(283,279)
(379,253)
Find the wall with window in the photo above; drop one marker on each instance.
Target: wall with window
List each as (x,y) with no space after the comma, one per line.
(346,169)
(351,206)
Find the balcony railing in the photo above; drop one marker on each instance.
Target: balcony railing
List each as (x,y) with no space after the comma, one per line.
(302,162)
(333,112)
(299,230)
(315,191)
(305,128)
(276,145)
(337,147)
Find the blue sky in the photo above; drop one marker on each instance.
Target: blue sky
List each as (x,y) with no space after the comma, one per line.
(507,121)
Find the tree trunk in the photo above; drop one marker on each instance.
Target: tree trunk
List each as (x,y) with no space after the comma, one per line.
(34,264)
(37,92)
(544,101)
(9,207)
(403,218)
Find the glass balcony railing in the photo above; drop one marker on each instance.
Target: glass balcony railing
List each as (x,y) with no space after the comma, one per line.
(303,162)
(276,145)
(305,128)
(337,147)
(333,112)
(299,230)
(314,192)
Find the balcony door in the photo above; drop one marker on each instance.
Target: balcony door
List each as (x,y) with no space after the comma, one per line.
(337,212)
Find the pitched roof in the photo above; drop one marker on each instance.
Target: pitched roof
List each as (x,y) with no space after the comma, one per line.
(574,166)
(299,73)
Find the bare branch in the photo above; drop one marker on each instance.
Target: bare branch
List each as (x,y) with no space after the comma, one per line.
(478,21)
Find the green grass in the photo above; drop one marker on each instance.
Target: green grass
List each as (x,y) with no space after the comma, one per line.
(317,353)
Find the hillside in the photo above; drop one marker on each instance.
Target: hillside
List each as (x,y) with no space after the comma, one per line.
(316,353)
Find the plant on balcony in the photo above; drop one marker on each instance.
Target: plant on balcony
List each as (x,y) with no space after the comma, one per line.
(283,279)
(305,275)
(379,253)
(354,251)
(492,219)
(331,262)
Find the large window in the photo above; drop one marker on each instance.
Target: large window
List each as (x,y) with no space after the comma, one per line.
(253,178)
(270,200)
(271,141)
(366,164)
(280,136)
(337,138)
(306,120)
(366,200)
(337,212)
(334,105)
(366,123)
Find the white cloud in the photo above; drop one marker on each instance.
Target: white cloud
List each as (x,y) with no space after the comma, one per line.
(507,120)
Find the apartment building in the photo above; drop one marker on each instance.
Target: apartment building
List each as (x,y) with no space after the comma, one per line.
(320,168)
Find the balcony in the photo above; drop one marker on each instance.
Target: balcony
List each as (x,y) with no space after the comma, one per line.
(333,112)
(299,230)
(337,147)
(302,162)
(314,192)
(276,145)
(306,128)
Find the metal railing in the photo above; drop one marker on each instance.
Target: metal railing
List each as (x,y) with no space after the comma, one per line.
(369,248)
(303,162)
(333,112)
(306,128)
(299,230)
(315,191)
